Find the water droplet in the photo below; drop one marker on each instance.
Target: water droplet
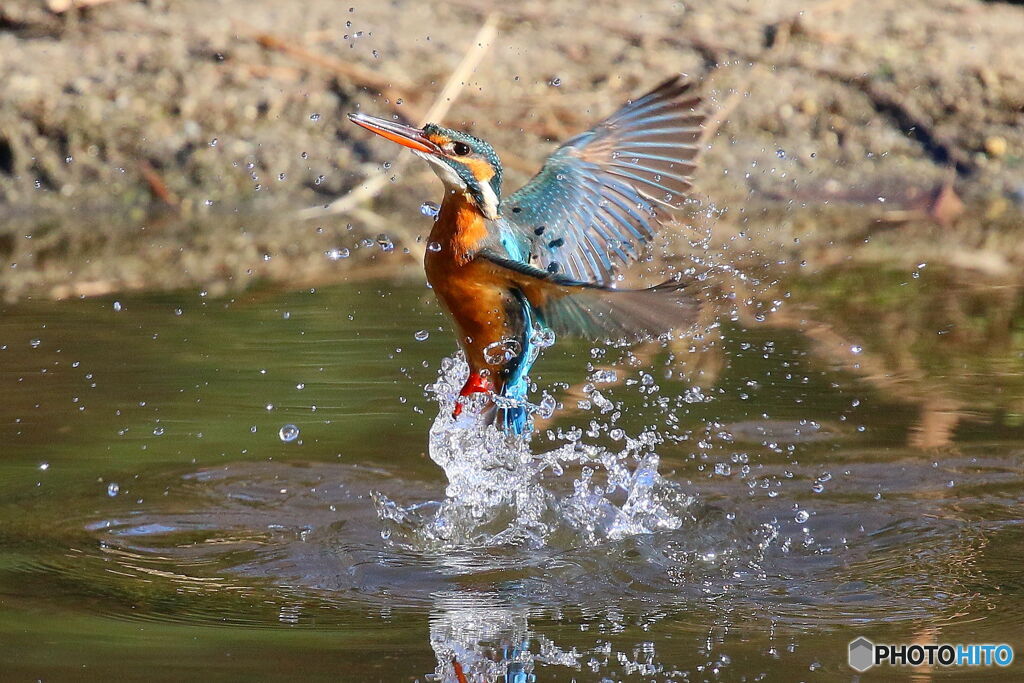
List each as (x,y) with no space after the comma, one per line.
(556,81)
(547,406)
(802,516)
(44,466)
(288,433)
(336,254)
(429,209)
(856,349)
(314,117)
(723,469)
(34,343)
(422,335)
(159,431)
(113,489)
(385,242)
(434,247)
(502,351)
(213,142)
(117,306)
(543,337)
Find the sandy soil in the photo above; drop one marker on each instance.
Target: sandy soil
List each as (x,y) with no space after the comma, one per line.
(191,108)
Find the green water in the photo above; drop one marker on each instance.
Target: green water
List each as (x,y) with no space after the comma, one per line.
(154,525)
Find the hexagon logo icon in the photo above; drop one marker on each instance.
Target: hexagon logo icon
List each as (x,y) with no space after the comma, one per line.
(862,654)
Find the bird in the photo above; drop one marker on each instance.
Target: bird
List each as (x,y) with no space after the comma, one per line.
(511,271)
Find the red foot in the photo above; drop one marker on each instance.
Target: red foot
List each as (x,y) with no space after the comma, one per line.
(476,384)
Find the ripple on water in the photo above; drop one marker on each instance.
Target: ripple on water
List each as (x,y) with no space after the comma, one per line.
(323,538)
(521,536)
(301,544)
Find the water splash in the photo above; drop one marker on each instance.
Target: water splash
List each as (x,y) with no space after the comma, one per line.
(500,492)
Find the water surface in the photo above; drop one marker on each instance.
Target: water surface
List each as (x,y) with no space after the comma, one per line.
(850,465)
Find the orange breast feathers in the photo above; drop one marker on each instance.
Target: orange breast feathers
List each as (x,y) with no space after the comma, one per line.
(472,292)
(459,228)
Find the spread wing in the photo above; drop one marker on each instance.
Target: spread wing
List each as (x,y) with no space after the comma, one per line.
(601,196)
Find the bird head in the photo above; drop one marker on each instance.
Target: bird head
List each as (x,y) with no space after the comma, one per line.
(464,163)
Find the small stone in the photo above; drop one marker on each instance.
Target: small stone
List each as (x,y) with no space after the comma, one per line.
(988,77)
(995,146)
(808,106)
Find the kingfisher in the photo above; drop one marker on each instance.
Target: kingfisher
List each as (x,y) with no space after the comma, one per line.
(512,270)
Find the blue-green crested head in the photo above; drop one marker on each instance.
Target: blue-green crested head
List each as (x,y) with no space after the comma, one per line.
(469,162)
(465,163)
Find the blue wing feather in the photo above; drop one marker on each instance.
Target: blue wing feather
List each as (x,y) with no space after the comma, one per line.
(594,206)
(601,196)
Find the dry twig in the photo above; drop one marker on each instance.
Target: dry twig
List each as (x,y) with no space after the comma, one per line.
(389,87)
(442,103)
(157,185)
(61,6)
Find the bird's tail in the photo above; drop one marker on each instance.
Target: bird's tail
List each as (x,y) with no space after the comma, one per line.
(620,315)
(595,310)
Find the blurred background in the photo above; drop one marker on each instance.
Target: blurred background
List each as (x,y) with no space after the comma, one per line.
(215,338)
(224,124)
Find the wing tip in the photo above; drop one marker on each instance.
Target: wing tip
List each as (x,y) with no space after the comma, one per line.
(671,88)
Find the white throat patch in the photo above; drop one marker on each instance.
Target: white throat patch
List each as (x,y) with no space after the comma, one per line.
(452,181)
(490,207)
(446,173)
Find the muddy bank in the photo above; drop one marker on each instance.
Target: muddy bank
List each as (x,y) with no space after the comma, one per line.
(233,251)
(183,113)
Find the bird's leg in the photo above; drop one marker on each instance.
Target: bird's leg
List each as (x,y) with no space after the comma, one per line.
(477,383)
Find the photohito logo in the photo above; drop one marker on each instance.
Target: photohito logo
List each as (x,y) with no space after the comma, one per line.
(864,654)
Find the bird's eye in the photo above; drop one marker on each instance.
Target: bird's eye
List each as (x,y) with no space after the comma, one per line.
(460,148)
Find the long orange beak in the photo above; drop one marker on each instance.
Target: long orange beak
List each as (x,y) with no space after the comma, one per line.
(407,136)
